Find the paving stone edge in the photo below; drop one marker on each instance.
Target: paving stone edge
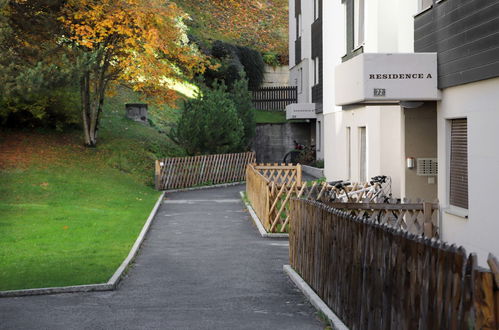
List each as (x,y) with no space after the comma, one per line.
(113,281)
(258,223)
(314,299)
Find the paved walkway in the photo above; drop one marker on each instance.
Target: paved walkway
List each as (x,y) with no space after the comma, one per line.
(202,266)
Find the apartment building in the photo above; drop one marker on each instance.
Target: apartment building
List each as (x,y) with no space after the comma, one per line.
(411,90)
(306,66)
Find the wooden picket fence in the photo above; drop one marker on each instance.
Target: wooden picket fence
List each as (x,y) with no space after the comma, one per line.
(417,217)
(378,277)
(269,188)
(185,172)
(274,98)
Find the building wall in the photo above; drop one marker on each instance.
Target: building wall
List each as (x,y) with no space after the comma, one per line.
(384,144)
(479,103)
(388,28)
(420,142)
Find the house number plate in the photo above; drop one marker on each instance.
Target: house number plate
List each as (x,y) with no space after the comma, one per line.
(379,92)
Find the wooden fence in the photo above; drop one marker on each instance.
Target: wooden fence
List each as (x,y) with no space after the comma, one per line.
(269,188)
(378,277)
(185,172)
(416,217)
(274,98)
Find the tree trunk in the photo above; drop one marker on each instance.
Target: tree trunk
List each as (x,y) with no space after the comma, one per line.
(92,99)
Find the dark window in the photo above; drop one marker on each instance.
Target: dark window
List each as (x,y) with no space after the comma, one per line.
(354,10)
(459,163)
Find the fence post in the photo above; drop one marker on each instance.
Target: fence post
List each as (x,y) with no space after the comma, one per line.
(157,175)
(494,267)
(298,174)
(427,223)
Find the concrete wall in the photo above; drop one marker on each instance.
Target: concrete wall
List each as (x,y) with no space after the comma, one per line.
(276,76)
(420,142)
(273,141)
(479,103)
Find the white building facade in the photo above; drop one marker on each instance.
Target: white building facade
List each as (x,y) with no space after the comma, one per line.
(410,89)
(306,60)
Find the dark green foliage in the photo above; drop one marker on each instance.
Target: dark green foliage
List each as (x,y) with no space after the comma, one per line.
(242,100)
(235,62)
(210,124)
(37,83)
(253,64)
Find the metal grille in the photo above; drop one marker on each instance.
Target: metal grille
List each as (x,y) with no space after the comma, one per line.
(427,167)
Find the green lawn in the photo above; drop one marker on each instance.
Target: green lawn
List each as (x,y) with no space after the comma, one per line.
(270,117)
(69,215)
(67,225)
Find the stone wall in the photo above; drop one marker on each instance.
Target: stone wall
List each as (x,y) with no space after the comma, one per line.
(273,141)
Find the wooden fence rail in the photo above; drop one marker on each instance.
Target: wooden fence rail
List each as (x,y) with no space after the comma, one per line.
(378,277)
(269,188)
(185,172)
(274,98)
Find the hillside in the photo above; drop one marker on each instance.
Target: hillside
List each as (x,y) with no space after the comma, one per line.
(69,214)
(262,25)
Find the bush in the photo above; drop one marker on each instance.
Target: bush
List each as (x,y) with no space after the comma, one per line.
(234,60)
(210,124)
(254,66)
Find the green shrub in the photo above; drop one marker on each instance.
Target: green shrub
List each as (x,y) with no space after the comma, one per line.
(242,100)
(234,60)
(210,124)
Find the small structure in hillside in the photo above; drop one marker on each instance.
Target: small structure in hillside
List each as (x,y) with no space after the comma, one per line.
(137,112)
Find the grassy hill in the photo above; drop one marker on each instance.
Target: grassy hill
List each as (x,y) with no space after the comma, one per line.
(68,214)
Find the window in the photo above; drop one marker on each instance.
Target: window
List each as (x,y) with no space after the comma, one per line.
(362,154)
(423,4)
(319,135)
(316,10)
(458,192)
(358,23)
(300,87)
(298,26)
(355,27)
(349,153)
(316,70)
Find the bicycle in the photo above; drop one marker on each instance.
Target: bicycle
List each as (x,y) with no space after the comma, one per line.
(378,188)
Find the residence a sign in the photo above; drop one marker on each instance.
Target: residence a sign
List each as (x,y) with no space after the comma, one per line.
(387,79)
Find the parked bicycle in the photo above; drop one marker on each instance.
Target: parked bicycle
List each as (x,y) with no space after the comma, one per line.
(378,190)
(300,154)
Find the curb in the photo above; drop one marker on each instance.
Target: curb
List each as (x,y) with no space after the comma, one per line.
(314,299)
(258,223)
(113,281)
(206,187)
(313,171)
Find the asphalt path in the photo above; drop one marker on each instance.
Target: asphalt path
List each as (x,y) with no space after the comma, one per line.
(203,265)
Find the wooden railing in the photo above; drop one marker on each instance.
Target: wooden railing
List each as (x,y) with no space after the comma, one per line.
(185,172)
(274,98)
(377,277)
(269,188)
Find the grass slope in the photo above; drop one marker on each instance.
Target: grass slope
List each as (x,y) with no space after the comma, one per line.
(69,215)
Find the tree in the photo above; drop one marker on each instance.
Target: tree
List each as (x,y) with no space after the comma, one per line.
(141,42)
(210,124)
(35,74)
(245,110)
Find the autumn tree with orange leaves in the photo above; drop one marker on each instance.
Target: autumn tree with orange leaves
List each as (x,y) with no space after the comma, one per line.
(142,42)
